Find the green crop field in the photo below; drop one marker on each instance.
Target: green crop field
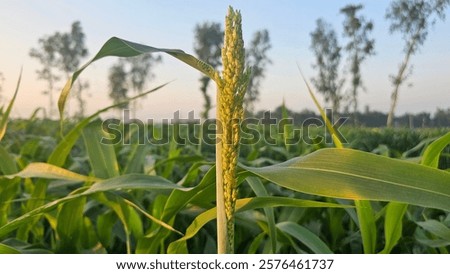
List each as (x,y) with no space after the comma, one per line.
(86,186)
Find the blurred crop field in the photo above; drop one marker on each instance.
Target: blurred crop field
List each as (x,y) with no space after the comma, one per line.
(128,218)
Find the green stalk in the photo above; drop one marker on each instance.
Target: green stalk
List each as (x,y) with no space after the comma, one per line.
(222,231)
(231,88)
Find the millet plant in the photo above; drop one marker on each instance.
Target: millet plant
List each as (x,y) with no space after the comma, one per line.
(334,173)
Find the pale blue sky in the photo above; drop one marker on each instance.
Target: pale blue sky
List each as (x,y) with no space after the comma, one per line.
(170,24)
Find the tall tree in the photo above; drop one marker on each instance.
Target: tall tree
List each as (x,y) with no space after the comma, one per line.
(412,18)
(46,53)
(208,47)
(140,72)
(117,78)
(257,59)
(61,52)
(326,48)
(359,47)
(72,50)
(131,73)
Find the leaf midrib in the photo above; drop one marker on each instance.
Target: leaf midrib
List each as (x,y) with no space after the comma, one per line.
(365,177)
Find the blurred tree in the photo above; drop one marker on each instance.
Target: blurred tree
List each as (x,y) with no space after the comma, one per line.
(63,52)
(359,47)
(326,48)
(257,59)
(131,72)
(46,53)
(117,78)
(207,47)
(72,50)
(442,118)
(140,72)
(412,18)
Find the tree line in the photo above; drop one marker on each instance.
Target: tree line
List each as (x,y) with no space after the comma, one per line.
(367,118)
(61,53)
(411,18)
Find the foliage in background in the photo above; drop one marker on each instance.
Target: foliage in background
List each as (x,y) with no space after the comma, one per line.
(327,51)
(117,82)
(131,74)
(46,54)
(207,46)
(62,52)
(412,18)
(359,46)
(257,58)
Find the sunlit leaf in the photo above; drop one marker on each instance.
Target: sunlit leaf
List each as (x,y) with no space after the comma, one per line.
(357,175)
(122,48)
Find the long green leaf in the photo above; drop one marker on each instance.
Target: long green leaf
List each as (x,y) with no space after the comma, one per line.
(123,48)
(311,240)
(134,181)
(4,249)
(101,156)
(154,219)
(178,199)
(69,225)
(259,189)
(136,159)
(436,228)
(395,211)
(48,171)
(8,188)
(5,117)
(125,182)
(366,219)
(334,135)
(127,215)
(179,246)
(393,225)
(62,150)
(431,155)
(357,175)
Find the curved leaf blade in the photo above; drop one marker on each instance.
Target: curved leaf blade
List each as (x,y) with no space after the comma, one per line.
(259,189)
(437,228)
(393,225)
(122,48)
(5,117)
(179,246)
(62,150)
(5,249)
(431,155)
(134,181)
(102,157)
(357,175)
(125,182)
(48,171)
(304,235)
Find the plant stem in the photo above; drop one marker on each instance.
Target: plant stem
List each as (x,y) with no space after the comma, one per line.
(222,230)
